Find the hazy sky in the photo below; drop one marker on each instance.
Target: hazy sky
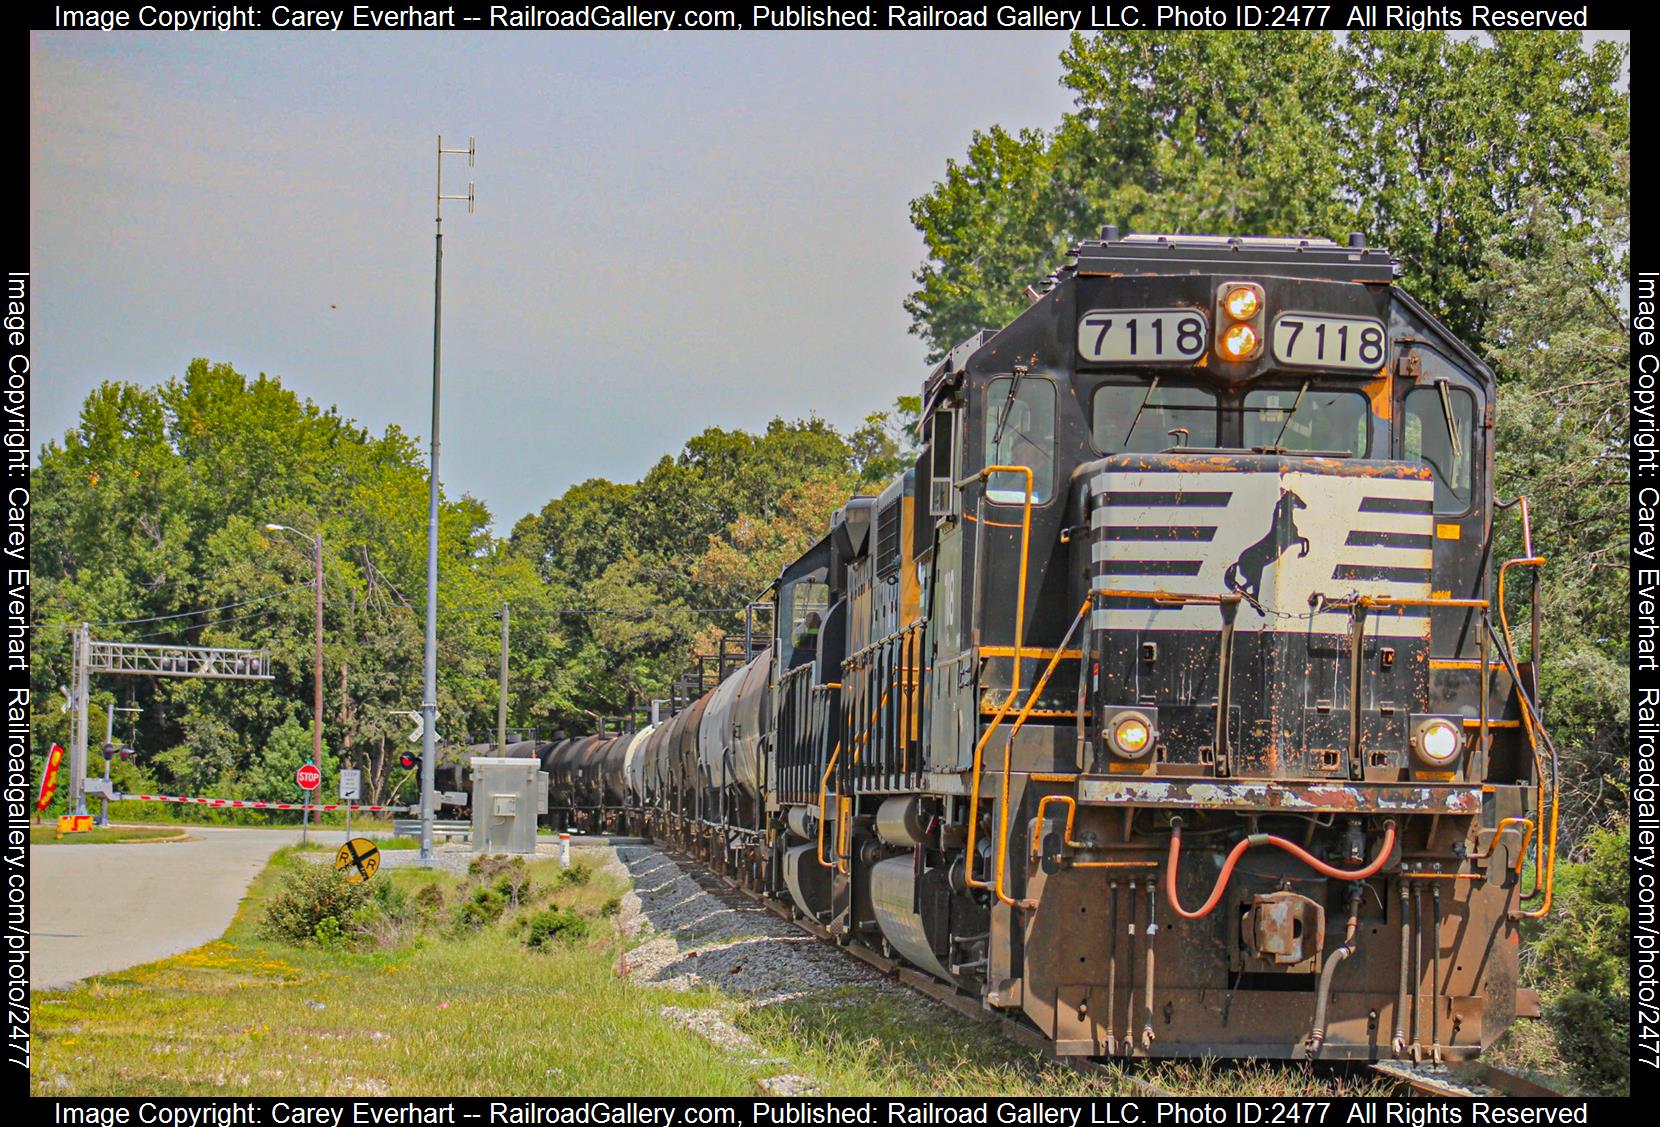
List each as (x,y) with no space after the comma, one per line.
(673,231)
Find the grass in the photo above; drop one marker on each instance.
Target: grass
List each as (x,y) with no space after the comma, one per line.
(860,1041)
(1528,1048)
(442,1012)
(330,844)
(868,1042)
(48,835)
(473,1015)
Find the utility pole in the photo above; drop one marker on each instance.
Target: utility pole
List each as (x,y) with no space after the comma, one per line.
(429,689)
(317,665)
(501,700)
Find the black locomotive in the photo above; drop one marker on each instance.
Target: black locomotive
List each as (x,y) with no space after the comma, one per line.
(1170,699)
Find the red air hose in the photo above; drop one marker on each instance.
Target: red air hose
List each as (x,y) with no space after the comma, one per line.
(1238,851)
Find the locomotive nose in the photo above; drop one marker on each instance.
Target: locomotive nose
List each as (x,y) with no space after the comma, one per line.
(1268,553)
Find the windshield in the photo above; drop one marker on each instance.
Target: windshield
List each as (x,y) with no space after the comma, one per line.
(1117,426)
(1335,422)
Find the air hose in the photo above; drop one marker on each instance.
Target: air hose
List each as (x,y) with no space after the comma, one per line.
(1238,851)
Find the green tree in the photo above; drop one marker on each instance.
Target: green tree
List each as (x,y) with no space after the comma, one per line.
(1396,134)
(1562,348)
(149,523)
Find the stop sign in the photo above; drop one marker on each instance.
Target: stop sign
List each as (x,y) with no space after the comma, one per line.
(309,777)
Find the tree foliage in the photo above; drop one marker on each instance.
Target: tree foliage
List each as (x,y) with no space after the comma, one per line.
(150,523)
(1510,214)
(1394,134)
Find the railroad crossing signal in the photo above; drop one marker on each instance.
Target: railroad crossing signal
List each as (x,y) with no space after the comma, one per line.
(408,760)
(420,727)
(309,777)
(358,860)
(91,656)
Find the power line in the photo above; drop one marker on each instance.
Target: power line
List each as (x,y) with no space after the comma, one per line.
(181,614)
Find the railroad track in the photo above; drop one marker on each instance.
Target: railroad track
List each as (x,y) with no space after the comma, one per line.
(1464,1081)
(732,894)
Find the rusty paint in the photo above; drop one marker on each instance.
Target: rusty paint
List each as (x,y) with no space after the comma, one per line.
(1315,797)
(1286,929)
(1381,392)
(1257,463)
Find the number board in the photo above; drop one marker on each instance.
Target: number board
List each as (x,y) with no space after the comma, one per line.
(1142,336)
(1305,340)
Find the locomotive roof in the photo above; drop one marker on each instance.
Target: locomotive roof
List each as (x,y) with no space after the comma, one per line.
(1314,258)
(1307,257)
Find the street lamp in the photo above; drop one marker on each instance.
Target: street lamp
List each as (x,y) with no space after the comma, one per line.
(429,662)
(317,687)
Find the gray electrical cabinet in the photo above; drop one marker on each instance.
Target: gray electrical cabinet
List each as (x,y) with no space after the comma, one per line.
(508,794)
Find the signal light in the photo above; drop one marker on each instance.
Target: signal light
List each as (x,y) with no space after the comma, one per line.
(1131,735)
(409,760)
(1242,303)
(1437,742)
(1239,320)
(1239,342)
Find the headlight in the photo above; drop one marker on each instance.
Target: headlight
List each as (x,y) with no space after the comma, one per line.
(1242,303)
(1437,742)
(1131,735)
(1239,342)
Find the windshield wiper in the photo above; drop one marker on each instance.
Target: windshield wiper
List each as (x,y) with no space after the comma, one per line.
(1298,402)
(1453,443)
(1008,405)
(1144,401)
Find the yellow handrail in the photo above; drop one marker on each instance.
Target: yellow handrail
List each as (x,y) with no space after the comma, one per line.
(823,796)
(1544,861)
(1008,756)
(1019,641)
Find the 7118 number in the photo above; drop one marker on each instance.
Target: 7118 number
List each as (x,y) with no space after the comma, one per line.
(1141,335)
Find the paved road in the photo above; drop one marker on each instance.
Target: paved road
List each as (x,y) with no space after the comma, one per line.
(100,908)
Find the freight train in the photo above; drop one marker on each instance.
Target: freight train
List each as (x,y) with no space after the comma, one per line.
(1169,702)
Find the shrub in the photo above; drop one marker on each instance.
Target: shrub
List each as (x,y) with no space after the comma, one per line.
(611,907)
(308,895)
(575,876)
(1584,962)
(484,907)
(329,932)
(429,899)
(387,917)
(554,926)
(513,886)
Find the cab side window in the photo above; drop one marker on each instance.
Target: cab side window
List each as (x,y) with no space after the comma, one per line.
(1020,432)
(801,612)
(1426,439)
